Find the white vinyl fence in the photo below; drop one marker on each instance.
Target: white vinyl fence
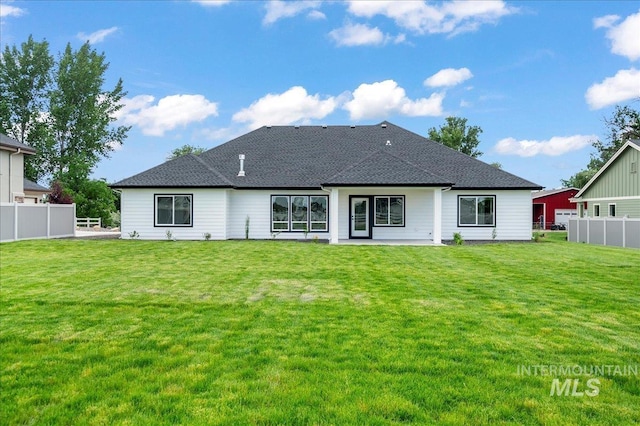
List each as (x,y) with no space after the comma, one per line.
(29,221)
(607,231)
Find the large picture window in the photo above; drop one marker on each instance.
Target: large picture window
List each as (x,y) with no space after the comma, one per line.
(477,210)
(389,211)
(299,213)
(173,210)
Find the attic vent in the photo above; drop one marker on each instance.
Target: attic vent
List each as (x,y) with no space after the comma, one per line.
(353,126)
(241,158)
(324,126)
(384,126)
(634,167)
(268,126)
(388,143)
(297,126)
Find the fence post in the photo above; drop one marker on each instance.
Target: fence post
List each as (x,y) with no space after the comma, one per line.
(48,220)
(604,227)
(624,231)
(15,221)
(588,229)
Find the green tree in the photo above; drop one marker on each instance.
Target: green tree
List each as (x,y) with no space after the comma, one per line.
(81,115)
(184,150)
(94,198)
(25,85)
(60,109)
(623,125)
(457,135)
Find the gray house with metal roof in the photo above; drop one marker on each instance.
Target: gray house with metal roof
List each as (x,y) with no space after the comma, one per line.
(331,182)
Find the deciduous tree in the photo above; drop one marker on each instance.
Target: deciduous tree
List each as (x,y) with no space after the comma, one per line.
(457,135)
(184,150)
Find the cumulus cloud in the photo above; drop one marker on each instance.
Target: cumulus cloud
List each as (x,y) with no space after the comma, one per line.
(384,98)
(448,77)
(169,113)
(278,9)
(8,10)
(362,35)
(624,36)
(97,36)
(621,87)
(421,17)
(294,105)
(555,146)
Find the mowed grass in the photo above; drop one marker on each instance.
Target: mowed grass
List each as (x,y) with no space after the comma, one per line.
(272,332)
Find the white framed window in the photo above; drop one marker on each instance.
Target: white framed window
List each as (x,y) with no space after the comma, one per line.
(596,210)
(389,210)
(280,213)
(173,209)
(299,213)
(319,213)
(477,210)
(612,210)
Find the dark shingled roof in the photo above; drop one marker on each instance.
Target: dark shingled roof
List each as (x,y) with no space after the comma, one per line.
(11,143)
(314,156)
(30,185)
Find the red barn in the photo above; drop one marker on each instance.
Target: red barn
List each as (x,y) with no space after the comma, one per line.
(553,207)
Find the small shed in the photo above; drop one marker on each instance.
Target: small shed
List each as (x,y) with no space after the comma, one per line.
(552,207)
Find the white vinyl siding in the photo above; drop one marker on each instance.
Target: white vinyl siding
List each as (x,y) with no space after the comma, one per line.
(209,214)
(513,211)
(418,213)
(257,205)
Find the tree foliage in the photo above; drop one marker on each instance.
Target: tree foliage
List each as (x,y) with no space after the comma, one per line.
(94,198)
(623,125)
(59,108)
(457,135)
(185,150)
(25,84)
(59,195)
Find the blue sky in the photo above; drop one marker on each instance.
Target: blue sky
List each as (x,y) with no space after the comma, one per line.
(538,77)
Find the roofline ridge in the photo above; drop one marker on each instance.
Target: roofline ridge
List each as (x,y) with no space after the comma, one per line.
(351,166)
(415,166)
(211,169)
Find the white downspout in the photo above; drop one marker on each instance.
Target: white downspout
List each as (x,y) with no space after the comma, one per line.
(19,151)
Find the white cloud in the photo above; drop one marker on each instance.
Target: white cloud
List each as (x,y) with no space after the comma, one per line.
(8,10)
(621,87)
(381,99)
(316,14)
(169,113)
(555,146)
(421,17)
(362,35)
(624,37)
(278,9)
(605,21)
(212,3)
(357,35)
(448,77)
(292,106)
(97,36)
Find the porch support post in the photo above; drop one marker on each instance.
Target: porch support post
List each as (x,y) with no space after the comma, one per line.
(437,216)
(334,216)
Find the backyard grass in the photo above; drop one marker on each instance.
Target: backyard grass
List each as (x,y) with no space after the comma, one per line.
(272,332)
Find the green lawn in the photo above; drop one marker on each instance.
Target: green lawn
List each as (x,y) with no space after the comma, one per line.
(273,332)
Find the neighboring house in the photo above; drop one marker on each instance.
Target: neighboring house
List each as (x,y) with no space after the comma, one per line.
(34,193)
(330,182)
(614,191)
(552,207)
(21,216)
(12,155)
